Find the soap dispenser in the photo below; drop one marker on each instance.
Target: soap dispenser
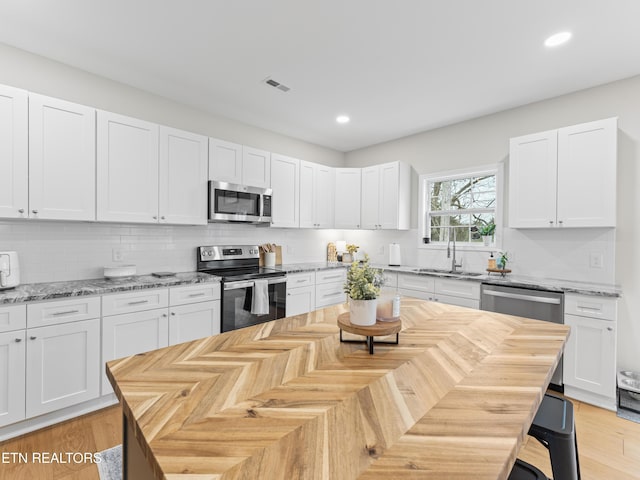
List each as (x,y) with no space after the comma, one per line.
(492,262)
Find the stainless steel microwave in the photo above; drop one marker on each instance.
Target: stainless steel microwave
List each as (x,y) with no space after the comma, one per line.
(229,202)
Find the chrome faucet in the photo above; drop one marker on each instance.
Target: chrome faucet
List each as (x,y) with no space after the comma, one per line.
(454,265)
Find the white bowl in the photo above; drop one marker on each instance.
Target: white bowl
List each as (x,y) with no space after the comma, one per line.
(119,271)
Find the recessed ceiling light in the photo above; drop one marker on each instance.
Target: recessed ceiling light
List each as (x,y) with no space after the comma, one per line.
(342,119)
(557,39)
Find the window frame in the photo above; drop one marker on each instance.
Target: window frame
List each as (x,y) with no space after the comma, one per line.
(424,201)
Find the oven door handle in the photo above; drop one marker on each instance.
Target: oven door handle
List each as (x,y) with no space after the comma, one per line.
(238,285)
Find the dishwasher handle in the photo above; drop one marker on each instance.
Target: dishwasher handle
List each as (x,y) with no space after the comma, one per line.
(519,296)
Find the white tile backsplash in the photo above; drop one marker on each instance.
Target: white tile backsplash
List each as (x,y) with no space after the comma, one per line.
(55,251)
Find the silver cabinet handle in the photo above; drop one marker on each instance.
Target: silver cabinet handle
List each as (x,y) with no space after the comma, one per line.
(21,210)
(162,217)
(164,315)
(332,276)
(196,295)
(300,281)
(33,338)
(155,217)
(35,212)
(138,302)
(550,222)
(560,222)
(18,340)
(610,329)
(331,294)
(173,314)
(66,312)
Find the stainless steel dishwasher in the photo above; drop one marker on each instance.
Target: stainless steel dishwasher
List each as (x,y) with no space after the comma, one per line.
(526,302)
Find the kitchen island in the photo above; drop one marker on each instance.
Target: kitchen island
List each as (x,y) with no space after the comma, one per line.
(287,400)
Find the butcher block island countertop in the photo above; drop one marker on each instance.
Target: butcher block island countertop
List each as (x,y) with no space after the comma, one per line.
(287,400)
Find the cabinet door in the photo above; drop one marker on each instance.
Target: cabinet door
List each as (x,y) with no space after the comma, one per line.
(590,355)
(131,333)
(63,365)
(307,195)
(14,180)
(183,177)
(190,322)
(62,159)
(12,377)
(127,170)
(323,192)
(389,195)
(533,180)
(370,201)
(256,167)
(587,156)
(347,197)
(300,300)
(285,202)
(225,161)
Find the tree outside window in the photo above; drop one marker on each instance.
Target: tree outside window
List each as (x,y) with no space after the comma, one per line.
(460,206)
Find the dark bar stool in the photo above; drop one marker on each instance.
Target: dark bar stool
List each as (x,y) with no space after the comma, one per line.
(525,471)
(554,427)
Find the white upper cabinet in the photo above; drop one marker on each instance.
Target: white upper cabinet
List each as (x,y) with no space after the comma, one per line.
(183,177)
(316,195)
(256,167)
(386,196)
(62,159)
(14,181)
(565,177)
(242,165)
(285,205)
(347,197)
(587,159)
(127,169)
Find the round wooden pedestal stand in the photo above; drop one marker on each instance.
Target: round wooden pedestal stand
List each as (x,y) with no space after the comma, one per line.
(380,329)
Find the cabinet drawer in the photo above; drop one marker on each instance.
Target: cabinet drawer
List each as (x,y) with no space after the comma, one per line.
(407,292)
(135,301)
(13,317)
(457,288)
(590,306)
(62,311)
(459,301)
(333,275)
(330,294)
(194,293)
(390,279)
(295,280)
(416,282)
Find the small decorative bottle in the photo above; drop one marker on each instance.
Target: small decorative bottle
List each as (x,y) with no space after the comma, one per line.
(395,308)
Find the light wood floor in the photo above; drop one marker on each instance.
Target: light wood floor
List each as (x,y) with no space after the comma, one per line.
(609,447)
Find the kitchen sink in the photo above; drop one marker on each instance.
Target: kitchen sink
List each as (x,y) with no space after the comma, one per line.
(446,272)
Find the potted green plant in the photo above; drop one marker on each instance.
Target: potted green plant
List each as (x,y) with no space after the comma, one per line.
(502,260)
(486,232)
(363,287)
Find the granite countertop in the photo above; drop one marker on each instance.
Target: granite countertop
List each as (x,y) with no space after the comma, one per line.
(98,286)
(536,283)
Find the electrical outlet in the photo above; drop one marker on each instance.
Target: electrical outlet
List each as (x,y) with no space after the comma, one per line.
(596,260)
(117,255)
(381,250)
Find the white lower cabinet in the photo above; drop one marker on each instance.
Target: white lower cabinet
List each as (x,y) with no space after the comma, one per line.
(589,372)
(132,333)
(62,367)
(12,377)
(330,287)
(451,291)
(301,293)
(193,321)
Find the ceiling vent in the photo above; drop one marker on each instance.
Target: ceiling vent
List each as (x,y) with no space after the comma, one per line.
(275,84)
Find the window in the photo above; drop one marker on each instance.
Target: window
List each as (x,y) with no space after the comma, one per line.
(459,204)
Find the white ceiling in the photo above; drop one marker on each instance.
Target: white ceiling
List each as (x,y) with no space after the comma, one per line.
(396,67)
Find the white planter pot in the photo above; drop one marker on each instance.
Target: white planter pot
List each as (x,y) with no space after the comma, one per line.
(363,312)
(487,240)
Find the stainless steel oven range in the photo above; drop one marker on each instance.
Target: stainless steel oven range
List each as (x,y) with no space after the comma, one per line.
(251,294)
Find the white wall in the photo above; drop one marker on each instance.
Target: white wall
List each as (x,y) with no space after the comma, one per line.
(31,72)
(552,253)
